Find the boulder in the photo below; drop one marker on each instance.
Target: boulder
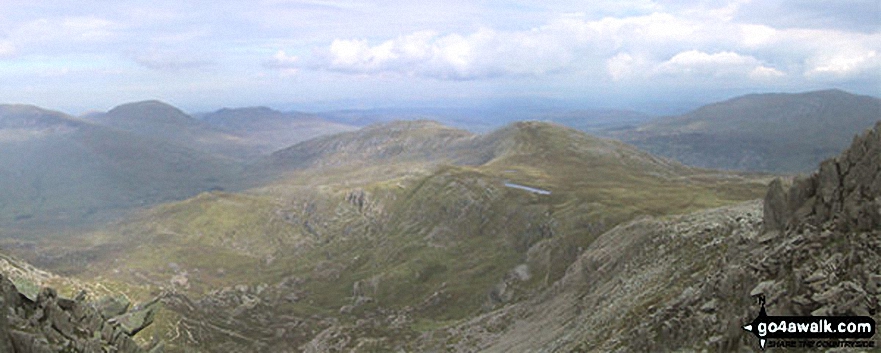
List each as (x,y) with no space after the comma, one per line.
(763,288)
(136,320)
(776,207)
(26,287)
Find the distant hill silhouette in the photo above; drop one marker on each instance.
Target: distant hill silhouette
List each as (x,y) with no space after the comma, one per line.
(56,169)
(774,132)
(270,130)
(161,121)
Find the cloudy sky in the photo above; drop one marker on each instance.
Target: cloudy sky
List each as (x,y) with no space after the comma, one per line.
(203,55)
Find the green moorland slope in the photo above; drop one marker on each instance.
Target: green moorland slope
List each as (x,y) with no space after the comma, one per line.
(377,236)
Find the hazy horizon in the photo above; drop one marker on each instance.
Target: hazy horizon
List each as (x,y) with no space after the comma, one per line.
(325,55)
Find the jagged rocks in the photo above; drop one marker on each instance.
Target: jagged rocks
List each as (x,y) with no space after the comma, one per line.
(845,190)
(49,323)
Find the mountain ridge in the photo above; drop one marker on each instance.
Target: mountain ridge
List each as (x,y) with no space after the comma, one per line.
(163,122)
(59,170)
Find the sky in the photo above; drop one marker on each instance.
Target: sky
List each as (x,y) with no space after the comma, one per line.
(83,55)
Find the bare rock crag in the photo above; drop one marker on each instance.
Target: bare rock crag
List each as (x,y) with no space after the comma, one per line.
(844,191)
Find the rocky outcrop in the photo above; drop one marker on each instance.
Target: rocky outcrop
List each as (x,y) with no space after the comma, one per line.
(846,191)
(49,323)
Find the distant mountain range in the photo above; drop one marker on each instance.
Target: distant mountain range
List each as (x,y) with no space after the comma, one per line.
(163,122)
(59,170)
(487,119)
(271,130)
(55,169)
(781,133)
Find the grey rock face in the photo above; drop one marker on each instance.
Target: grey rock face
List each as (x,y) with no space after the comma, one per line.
(776,207)
(48,323)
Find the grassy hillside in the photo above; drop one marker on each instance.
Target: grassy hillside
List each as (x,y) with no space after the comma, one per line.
(405,234)
(761,132)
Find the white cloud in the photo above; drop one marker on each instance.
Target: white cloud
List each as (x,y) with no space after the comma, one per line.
(722,64)
(694,61)
(684,43)
(568,44)
(58,36)
(624,66)
(754,36)
(827,52)
(566,47)
(764,72)
(652,29)
(482,54)
(286,64)
(283,60)
(846,64)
